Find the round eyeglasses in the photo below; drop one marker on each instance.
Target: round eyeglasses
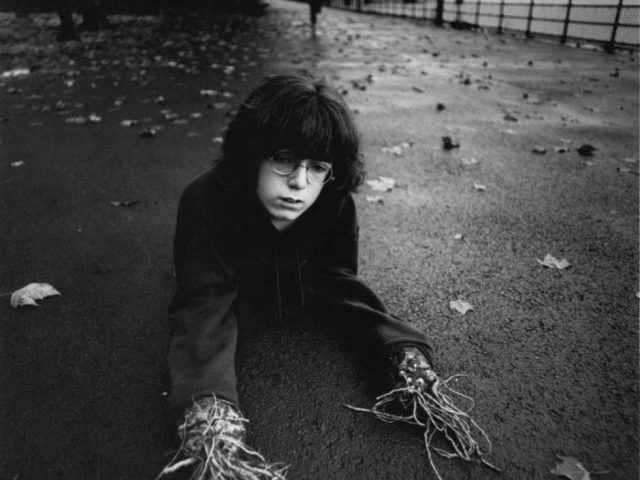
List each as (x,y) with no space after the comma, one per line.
(284,162)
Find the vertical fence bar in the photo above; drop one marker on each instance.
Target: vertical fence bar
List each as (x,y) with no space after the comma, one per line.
(359,5)
(501,16)
(565,29)
(529,19)
(611,46)
(440,13)
(477,17)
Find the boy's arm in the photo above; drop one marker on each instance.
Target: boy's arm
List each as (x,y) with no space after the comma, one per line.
(358,309)
(204,328)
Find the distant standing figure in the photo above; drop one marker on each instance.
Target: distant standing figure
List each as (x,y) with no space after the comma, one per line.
(315,7)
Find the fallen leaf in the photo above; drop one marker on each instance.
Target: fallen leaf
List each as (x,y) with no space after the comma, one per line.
(561,149)
(217,140)
(539,149)
(469,161)
(124,203)
(396,150)
(129,123)
(571,468)
(19,163)
(94,118)
(586,150)
(148,133)
(382,184)
(480,187)
(449,143)
(15,72)
(509,117)
(32,292)
(460,306)
(375,199)
(440,107)
(77,120)
(458,236)
(551,262)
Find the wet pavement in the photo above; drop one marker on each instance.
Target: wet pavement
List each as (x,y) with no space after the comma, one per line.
(88,205)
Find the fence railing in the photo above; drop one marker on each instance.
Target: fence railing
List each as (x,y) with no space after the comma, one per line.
(613,23)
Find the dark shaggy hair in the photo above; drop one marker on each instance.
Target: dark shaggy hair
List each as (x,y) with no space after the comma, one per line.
(299,114)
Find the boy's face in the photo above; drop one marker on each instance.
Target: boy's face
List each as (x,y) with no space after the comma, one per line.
(286,197)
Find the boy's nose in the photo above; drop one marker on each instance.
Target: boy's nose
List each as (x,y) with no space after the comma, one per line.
(298,178)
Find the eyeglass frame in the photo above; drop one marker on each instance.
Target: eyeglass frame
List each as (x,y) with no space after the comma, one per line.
(298,164)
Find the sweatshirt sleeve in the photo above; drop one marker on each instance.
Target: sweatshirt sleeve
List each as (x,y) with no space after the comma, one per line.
(358,309)
(204,328)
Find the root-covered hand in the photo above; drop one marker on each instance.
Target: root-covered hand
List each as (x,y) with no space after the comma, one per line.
(212,433)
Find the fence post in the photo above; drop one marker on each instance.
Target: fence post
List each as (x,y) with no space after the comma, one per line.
(358,5)
(501,16)
(565,30)
(475,22)
(611,46)
(529,18)
(439,13)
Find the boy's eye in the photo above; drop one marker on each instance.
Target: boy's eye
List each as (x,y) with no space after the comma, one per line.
(319,167)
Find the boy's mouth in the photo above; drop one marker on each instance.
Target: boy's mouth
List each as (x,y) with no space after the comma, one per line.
(290,200)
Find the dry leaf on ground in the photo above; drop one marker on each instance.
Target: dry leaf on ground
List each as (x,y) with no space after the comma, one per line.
(382,184)
(552,262)
(125,203)
(571,468)
(32,292)
(460,306)
(375,199)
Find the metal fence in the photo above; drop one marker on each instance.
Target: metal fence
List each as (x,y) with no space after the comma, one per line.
(614,23)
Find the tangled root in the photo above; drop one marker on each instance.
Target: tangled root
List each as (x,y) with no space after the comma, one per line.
(220,455)
(435,411)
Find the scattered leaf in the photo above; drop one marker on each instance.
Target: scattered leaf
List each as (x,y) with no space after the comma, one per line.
(382,184)
(94,118)
(460,306)
(440,107)
(480,187)
(217,140)
(449,143)
(469,161)
(208,93)
(417,89)
(561,149)
(509,117)
(458,236)
(375,199)
(32,292)
(17,164)
(586,150)
(15,72)
(129,123)
(148,133)
(539,149)
(551,262)
(571,468)
(125,203)
(397,150)
(77,120)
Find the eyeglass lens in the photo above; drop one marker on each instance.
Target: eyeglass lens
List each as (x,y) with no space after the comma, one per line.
(285,163)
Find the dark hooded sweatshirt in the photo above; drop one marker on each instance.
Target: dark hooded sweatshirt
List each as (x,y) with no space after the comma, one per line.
(227,251)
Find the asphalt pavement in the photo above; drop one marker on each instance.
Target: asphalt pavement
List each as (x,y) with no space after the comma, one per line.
(100,137)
